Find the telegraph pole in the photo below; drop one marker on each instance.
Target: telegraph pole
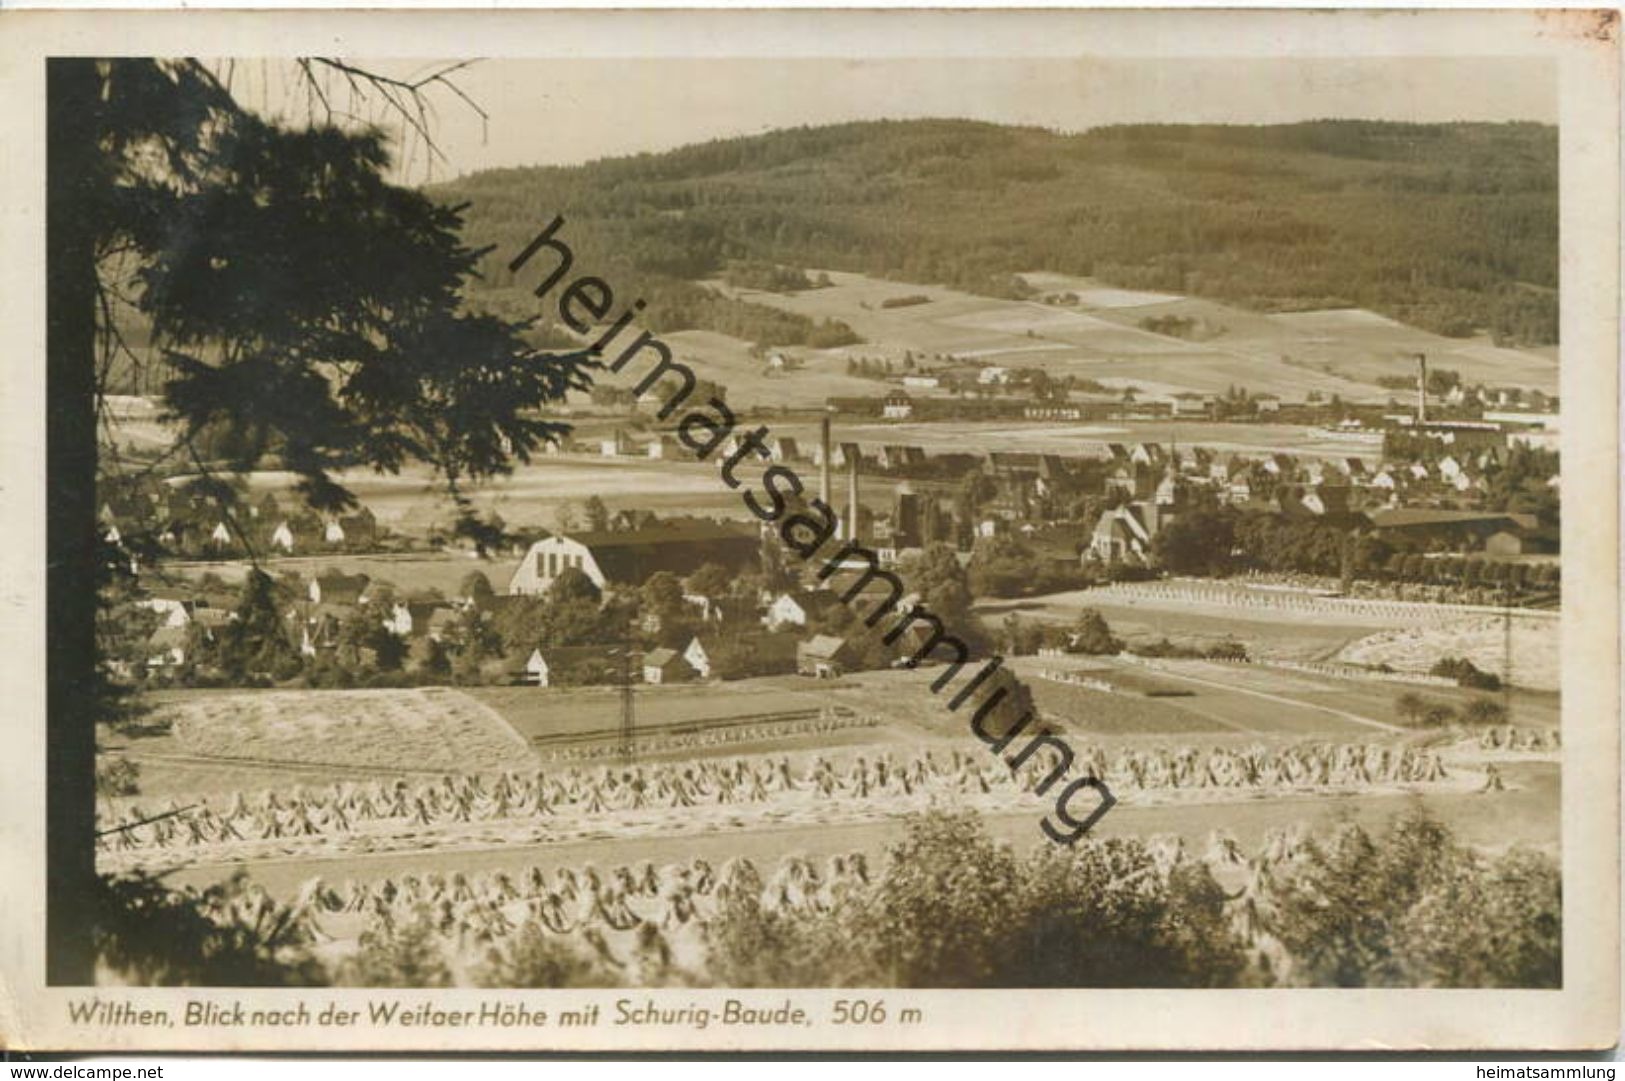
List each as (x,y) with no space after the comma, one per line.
(628,709)
(628,716)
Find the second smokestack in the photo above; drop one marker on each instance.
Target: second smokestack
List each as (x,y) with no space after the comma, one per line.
(1421,388)
(823,443)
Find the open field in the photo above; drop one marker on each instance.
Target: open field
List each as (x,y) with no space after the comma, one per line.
(1218,697)
(434,728)
(1364,346)
(1277,635)
(540,713)
(1341,352)
(532,497)
(1252,699)
(248,741)
(729,361)
(1091,439)
(1535,662)
(1407,637)
(1087,345)
(1349,343)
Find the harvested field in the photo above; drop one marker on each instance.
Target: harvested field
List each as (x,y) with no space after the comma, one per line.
(1105,344)
(1535,648)
(1286,638)
(1090,711)
(1257,699)
(413,731)
(537,712)
(1524,814)
(682,797)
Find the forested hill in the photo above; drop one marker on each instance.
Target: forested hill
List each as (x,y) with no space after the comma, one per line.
(1449,227)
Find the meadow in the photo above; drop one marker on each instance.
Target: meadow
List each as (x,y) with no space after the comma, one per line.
(1340,352)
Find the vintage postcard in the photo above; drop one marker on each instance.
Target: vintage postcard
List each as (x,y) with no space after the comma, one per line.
(848,530)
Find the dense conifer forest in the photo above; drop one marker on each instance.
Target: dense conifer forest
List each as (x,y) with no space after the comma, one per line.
(1449,227)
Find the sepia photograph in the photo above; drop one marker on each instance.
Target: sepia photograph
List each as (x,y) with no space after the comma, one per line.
(675,526)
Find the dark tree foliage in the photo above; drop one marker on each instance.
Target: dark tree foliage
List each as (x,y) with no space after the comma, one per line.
(1093,635)
(149,934)
(311,309)
(1417,908)
(1201,543)
(290,305)
(951,908)
(253,642)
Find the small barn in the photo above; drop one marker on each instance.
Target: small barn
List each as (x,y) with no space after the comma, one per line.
(824,656)
(665,666)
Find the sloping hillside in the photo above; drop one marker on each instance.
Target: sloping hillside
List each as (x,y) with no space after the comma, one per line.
(1451,228)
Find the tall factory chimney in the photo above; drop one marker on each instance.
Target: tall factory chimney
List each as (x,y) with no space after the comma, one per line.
(1421,388)
(823,477)
(852,499)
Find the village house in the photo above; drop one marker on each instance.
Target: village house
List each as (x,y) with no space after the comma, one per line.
(617,445)
(824,656)
(1123,534)
(1187,403)
(314,628)
(795,609)
(359,530)
(555,666)
(897,456)
(1148,454)
(334,588)
(282,537)
(166,648)
(897,406)
(1008,466)
(412,619)
(706,609)
(1329,502)
(1281,465)
(173,611)
(1134,480)
(1449,530)
(697,658)
(666,447)
(665,666)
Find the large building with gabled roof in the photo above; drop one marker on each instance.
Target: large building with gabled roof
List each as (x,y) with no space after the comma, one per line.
(627,559)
